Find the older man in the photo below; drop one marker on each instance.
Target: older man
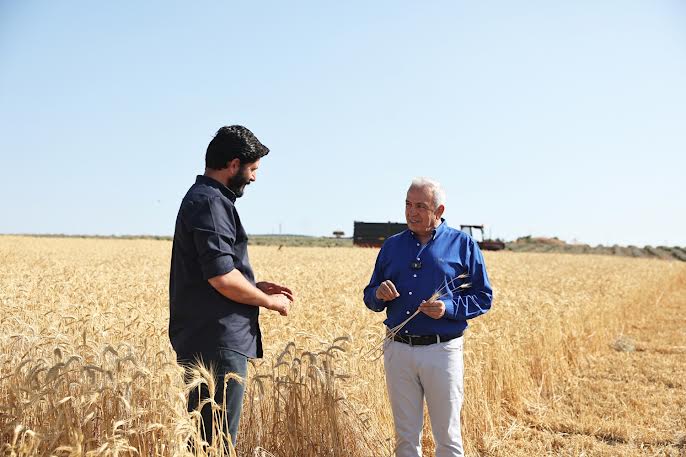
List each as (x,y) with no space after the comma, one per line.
(425,359)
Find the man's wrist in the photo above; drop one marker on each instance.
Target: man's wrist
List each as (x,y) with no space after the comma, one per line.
(264,300)
(378,302)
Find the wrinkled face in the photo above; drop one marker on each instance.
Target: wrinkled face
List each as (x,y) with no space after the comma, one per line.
(246,174)
(420,214)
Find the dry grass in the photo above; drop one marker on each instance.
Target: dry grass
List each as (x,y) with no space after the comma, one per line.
(86,367)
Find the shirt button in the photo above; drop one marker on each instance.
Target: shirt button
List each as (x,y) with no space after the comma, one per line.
(417,244)
(407,312)
(410,293)
(406,331)
(414,275)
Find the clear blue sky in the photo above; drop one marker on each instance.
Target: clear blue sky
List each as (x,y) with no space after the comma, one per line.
(551,118)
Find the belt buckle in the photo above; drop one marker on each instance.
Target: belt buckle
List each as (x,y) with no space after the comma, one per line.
(410,337)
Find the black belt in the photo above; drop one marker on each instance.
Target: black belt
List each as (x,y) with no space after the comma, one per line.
(423,340)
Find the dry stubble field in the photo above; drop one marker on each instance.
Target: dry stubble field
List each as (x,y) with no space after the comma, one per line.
(580,355)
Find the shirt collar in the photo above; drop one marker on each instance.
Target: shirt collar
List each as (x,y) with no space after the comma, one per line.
(228,193)
(442,227)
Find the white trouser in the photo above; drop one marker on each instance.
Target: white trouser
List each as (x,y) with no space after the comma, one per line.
(434,372)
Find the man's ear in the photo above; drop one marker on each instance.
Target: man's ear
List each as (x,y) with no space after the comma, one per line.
(233,166)
(439,211)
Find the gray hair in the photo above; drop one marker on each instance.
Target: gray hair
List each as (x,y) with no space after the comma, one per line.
(435,187)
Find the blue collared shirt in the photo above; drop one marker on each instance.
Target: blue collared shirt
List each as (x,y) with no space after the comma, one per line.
(448,254)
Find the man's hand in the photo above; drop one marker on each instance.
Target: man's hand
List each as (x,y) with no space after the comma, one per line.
(270,288)
(279,303)
(280,297)
(234,286)
(435,309)
(387,291)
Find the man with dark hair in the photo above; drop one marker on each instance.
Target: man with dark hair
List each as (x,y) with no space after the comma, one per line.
(214,300)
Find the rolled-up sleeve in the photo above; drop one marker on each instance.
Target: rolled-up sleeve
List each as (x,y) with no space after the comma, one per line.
(213,227)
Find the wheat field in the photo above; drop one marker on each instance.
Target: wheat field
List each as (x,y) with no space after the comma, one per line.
(580,355)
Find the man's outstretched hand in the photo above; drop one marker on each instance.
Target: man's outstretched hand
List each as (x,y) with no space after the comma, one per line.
(280,297)
(270,288)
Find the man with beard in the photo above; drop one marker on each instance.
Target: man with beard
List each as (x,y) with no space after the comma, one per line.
(214,300)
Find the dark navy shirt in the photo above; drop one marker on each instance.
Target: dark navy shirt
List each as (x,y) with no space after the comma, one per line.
(420,270)
(209,240)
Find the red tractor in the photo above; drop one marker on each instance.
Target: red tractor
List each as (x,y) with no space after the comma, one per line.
(485,244)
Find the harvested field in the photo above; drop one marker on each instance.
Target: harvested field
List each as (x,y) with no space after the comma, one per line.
(581,355)
(533,244)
